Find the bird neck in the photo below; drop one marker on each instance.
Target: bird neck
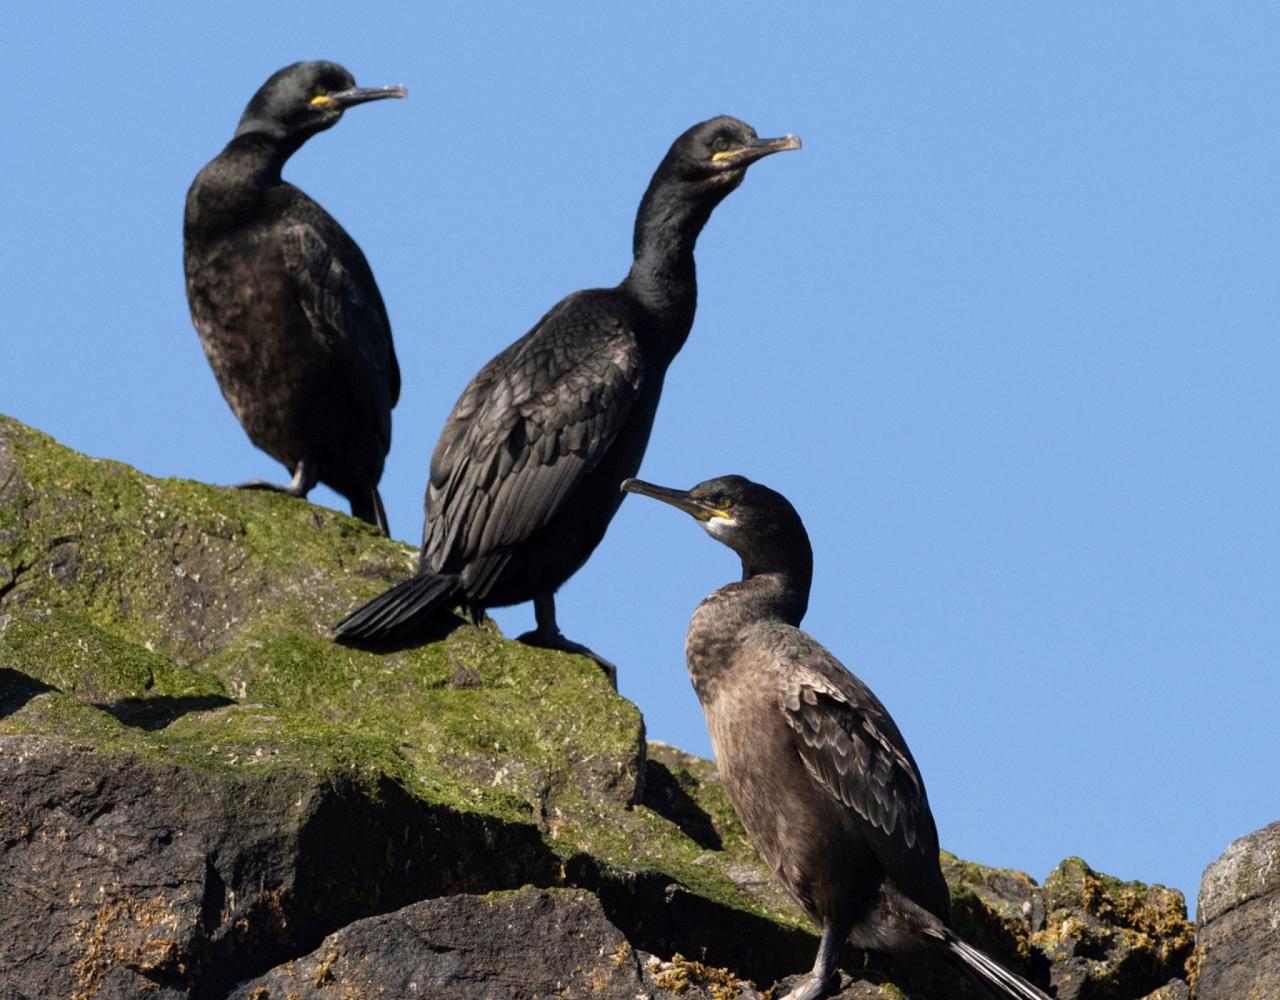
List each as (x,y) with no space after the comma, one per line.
(258,158)
(233,186)
(776,594)
(715,632)
(663,276)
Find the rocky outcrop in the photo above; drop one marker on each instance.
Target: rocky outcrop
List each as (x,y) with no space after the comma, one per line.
(525,945)
(201,795)
(1108,939)
(1238,941)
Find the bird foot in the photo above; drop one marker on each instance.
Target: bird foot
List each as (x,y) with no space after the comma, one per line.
(556,640)
(262,484)
(813,987)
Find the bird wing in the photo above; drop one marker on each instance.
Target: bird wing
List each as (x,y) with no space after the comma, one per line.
(528,428)
(853,750)
(336,291)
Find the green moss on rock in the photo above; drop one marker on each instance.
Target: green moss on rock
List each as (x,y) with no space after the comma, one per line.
(195,619)
(178,632)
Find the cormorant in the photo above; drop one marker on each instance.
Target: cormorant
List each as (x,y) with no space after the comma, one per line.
(284,301)
(814,765)
(524,479)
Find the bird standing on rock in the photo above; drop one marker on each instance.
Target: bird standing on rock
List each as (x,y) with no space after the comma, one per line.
(814,765)
(524,479)
(284,301)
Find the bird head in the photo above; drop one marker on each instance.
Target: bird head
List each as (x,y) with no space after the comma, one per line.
(717,152)
(305,98)
(756,522)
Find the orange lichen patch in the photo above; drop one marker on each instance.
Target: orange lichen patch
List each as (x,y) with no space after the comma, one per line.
(622,956)
(680,973)
(1155,913)
(1120,927)
(324,971)
(125,930)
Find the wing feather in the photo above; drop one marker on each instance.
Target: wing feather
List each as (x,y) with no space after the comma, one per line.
(853,750)
(337,293)
(524,433)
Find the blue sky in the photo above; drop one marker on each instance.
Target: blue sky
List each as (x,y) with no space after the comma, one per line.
(1005,331)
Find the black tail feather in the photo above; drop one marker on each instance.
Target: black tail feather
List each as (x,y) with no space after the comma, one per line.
(408,610)
(998,980)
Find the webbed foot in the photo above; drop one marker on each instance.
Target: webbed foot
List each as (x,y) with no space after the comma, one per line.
(302,483)
(555,640)
(812,988)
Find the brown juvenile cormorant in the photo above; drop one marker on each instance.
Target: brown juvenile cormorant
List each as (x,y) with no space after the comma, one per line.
(815,768)
(524,479)
(284,301)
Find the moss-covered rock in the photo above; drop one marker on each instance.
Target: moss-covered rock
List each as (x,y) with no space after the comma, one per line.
(196,784)
(175,633)
(1109,939)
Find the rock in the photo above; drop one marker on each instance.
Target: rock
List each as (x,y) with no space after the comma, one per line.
(524,945)
(198,788)
(997,910)
(1238,947)
(1175,989)
(532,943)
(123,874)
(219,785)
(1111,940)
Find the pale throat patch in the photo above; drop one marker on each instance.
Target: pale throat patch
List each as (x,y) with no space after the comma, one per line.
(717,526)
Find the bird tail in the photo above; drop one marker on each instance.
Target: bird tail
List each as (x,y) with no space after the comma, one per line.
(998,980)
(406,611)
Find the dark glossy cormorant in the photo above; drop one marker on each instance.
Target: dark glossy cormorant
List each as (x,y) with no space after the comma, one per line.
(524,479)
(815,768)
(284,301)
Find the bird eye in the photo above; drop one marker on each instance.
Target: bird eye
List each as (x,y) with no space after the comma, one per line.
(724,503)
(721,145)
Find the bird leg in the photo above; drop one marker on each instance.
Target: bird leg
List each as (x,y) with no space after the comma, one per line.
(548,636)
(304,479)
(368,508)
(824,973)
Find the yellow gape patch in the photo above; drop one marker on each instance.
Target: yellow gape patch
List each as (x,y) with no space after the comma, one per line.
(320,100)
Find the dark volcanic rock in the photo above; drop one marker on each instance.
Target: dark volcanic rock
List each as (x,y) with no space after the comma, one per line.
(1175,989)
(533,943)
(525,945)
(131,875)
(1238,951)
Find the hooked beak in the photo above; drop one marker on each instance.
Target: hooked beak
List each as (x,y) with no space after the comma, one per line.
(344,99)
(699,509)
(756,149)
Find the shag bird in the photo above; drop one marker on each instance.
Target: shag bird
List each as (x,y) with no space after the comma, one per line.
(284,301)
(814,765)
(524,479)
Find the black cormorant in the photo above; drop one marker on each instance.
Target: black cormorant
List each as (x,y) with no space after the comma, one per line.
(524,479)
(815,768)
(284,301)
